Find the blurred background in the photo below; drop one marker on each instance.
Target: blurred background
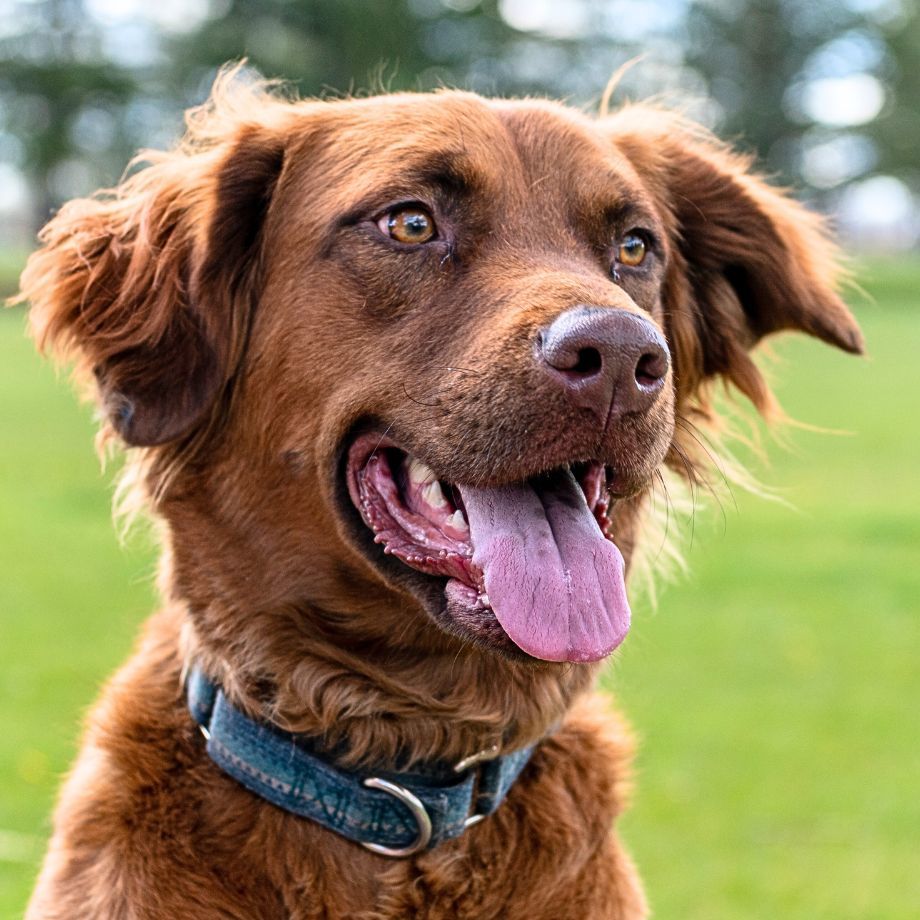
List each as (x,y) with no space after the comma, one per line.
(825,92)
(777,691)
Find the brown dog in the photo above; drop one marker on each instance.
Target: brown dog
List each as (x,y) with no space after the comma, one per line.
(389,370)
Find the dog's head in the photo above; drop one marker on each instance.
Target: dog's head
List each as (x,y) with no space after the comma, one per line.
(400,366)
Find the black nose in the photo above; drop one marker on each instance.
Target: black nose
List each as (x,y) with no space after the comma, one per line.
(608,360)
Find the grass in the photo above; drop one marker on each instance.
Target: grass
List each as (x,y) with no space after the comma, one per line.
(775,690)
(70,597)
(11,262)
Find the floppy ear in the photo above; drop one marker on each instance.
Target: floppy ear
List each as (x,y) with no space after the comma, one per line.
(146,287)
(746,259)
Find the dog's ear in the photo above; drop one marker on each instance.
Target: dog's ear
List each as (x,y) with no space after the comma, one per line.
(146,287)
(746,259)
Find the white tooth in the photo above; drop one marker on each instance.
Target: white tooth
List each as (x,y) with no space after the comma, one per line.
(433,495)
(484,599)
(458,521)
(419,473)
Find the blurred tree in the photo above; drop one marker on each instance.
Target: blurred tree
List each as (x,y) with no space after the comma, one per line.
(344,46)
(754,53)
(897,129)
(341,46)
(83,83)
(53,74)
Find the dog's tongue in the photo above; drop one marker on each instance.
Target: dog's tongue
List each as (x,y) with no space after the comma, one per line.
(555,582)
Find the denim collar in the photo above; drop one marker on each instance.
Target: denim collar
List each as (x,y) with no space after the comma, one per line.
(394,814)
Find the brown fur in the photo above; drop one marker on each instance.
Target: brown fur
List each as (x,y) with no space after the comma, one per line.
(236,319)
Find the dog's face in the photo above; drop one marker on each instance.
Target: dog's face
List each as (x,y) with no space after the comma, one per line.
(477,297)
(408,361)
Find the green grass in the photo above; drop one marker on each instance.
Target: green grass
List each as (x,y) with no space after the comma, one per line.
(70,597)
(775,690)
(11,262)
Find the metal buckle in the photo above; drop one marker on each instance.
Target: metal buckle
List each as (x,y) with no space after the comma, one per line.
(489,753)
(417,809)
(415,806)
(472,819)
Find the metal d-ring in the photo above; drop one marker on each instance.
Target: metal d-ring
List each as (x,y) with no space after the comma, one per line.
(415,806)
(490,753)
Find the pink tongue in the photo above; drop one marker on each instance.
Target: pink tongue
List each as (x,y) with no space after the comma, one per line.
(554,581)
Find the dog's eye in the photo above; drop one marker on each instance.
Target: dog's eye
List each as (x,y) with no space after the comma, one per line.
(632,250)
(409,225)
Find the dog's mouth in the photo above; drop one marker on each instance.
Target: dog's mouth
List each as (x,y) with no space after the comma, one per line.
(528,562)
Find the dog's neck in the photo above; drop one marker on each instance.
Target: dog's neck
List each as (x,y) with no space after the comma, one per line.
(402,711)
(389,688)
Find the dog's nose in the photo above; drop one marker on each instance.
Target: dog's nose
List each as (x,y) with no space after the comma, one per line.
(608,360)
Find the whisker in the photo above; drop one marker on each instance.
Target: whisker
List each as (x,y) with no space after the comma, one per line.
(697,483)
(716,461)
(465,370)
(668,504)
(700,437)
(373,453)
(456,369)
(419,402)
(693,486)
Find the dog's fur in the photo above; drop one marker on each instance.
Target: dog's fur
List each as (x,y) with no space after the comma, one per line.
(237,318)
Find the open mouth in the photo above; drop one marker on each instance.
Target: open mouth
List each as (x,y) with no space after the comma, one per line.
(530,561)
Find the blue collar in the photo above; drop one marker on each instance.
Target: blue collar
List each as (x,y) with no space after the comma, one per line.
(394,814)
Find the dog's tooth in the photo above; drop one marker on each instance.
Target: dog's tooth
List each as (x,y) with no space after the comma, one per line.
(484,600)
(433,494)
(420,473)
(458,521)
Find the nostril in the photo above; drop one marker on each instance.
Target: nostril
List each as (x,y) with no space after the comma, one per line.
(651,369)
(589,362)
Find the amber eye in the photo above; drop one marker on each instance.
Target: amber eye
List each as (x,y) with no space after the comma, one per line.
(409,225)
(632,250)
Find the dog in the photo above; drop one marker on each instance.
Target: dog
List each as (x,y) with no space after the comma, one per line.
(396,377)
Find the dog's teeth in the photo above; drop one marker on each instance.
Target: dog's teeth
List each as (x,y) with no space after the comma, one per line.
(433,494)
(419,473)
(484,600)
(458,521)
